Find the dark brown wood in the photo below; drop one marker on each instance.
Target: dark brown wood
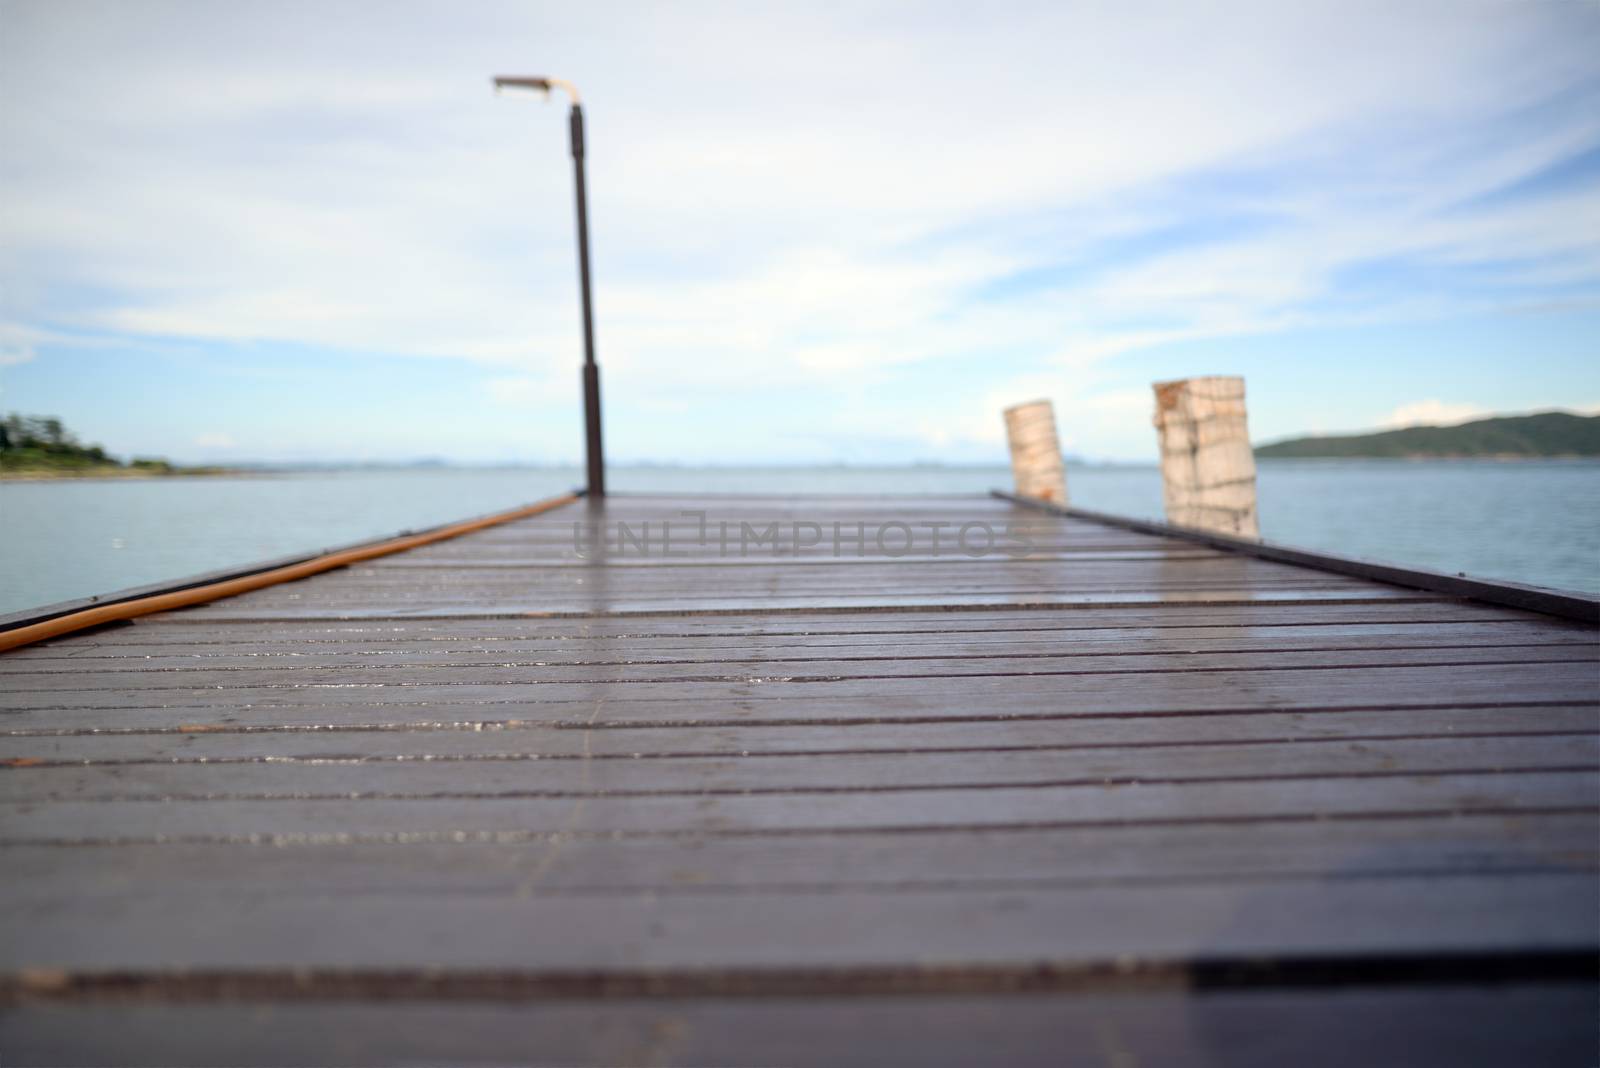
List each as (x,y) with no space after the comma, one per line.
(196,637)
(489,740)
(786,699)
(1492,1025)
(796,648)
(1119,797)
(963,857)
(820,812)
(738,668)
(335,778)
(895,927)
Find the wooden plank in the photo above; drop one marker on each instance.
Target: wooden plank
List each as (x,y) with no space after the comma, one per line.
(179,628)
(794,698)
(472,741)
(641,933)
(292,819)
(644,583)
(1510,1024)
(751,550)
(739,568)
(556,556)
(335,779)
(952,859)
(34,685)
(658,550)
(577,586)
(600,603)
(1217,641)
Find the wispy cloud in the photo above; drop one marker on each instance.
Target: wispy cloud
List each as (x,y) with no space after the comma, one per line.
(897,212)
(1433,412)
(518,391)
(12,355)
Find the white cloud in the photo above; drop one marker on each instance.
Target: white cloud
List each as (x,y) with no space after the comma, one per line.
(215,440)
(782,199)
(519,391)
(1433,412)
(17,344)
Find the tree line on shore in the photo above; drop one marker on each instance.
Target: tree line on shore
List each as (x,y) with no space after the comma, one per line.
(41,443)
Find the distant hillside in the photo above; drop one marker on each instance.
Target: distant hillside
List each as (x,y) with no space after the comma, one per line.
(39,446)
(1545,434)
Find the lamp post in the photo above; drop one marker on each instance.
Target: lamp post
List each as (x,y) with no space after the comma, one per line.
(594,450)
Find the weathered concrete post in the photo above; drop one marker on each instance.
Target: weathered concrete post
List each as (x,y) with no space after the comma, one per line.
(1207,468)
(1036,451)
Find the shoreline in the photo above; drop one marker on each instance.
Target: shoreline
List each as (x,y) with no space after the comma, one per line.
(113,474)
(124,474)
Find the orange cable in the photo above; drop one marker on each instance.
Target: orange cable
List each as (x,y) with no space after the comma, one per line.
(161,602)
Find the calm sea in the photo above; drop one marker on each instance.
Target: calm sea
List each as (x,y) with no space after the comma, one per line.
(1532,521)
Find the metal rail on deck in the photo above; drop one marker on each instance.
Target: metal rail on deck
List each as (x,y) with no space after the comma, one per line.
(36,625)
(1511,594)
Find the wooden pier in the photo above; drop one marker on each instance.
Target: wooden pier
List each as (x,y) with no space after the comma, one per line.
(901,793)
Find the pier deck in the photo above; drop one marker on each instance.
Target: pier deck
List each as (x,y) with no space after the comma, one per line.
(1087,795)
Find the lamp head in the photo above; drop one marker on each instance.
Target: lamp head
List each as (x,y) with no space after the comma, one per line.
(503,82)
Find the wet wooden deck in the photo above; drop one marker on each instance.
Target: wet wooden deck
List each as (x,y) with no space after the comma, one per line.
(1115,799)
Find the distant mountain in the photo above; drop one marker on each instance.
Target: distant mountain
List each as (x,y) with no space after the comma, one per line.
(1544,434)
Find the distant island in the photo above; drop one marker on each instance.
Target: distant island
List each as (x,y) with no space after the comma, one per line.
(1547,434)
(37,446)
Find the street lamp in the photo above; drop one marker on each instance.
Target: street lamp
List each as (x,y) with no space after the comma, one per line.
(591,370)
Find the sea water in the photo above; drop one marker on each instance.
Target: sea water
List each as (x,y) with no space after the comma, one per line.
(1532,521)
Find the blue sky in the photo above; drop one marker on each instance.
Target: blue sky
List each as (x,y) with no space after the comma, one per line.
(822,232)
